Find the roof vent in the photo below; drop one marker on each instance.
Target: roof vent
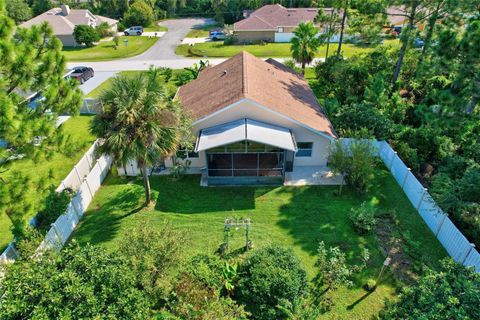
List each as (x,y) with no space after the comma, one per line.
(224,73)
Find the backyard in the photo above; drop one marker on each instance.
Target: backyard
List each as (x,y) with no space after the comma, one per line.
(296,217)
(105,50)
(59,165)
(218,49)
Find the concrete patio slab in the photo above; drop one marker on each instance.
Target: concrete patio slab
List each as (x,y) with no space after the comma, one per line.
(309,176)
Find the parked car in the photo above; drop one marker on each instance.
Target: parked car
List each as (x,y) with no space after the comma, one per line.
(82,74)
(132,31)
(217,35)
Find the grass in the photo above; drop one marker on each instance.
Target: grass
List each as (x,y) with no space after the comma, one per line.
(95,93)
(201,31)
(155,27)
(296,217)
(105,51)
(59,164)
(218,49)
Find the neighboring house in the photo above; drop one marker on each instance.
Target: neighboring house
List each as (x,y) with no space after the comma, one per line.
(63,21)
(271,23)
(254,121)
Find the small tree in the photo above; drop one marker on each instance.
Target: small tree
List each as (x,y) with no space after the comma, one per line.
(355,161)
(305,44)
(138,122)
(333,270)
(139,14)
(86,35)
(270,277)
(18,10)
(453,292)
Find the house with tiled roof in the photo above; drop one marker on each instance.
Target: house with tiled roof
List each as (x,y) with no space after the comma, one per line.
(255,122)
(63,21)
(272,23)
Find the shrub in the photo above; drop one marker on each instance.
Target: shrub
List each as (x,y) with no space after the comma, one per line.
(139,14)
(29,242)
(104,30)
(206,269)
(292,65)
(268,278)
(77,283)
(230,39)
(355,161)
(151,252)
(86,35)
(453,292)
(363,218)
(371,285)
(166,73)
(116,41)
(55,204)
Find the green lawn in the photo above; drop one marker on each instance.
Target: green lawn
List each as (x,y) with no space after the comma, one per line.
(297,217)
(95,93)
(105,51)
(60,165)
(218,49)
(155,27)
(201,31)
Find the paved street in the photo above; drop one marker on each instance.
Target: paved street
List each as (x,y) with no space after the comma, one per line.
(100,76)
(164,48)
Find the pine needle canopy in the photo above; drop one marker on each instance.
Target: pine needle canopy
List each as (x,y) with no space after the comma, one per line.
(139,122)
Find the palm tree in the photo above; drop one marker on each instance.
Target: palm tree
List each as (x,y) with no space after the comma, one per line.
(138,122)
(305,43)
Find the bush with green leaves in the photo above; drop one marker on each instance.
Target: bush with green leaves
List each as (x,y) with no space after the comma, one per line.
(55,204)
(104,30)
(363,218)
(139,14)
(453,292)
(269,277)
(86,35)
(333,269)
(355,161)
(152,252)
(77,283)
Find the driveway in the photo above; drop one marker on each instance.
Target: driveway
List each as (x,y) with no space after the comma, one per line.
(164,48)
(99,78)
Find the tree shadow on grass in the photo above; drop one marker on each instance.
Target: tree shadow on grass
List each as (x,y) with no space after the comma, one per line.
(187,196)
(102,223)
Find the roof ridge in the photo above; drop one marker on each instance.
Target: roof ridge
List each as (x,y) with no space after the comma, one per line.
(244,73)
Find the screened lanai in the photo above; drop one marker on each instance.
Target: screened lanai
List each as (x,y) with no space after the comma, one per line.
(246,151)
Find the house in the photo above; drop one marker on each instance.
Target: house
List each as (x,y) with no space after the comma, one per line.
(63,21)
(254,121)
(271,23)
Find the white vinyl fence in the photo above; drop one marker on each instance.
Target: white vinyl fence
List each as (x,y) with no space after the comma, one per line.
(85,179)
(91,106)
(452,239)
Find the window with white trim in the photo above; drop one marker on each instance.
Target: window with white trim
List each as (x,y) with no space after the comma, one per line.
(280,29)
(304,149)
(184,153)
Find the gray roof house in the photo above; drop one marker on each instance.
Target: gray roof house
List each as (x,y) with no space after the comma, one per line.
(63,21)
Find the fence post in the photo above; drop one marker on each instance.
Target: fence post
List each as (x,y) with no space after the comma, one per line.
(88,187)
(468,253)
(421,199)
(100,166)
(393,159)
(78,174)
(406,176)
(440,225)
(57,232)
(90,166)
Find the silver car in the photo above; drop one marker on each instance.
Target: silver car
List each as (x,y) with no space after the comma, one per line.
(134,31)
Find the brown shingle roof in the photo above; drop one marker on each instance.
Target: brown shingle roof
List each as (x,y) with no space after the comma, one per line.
(270,17)
(268,83)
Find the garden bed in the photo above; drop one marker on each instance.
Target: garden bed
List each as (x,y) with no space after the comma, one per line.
(296,217)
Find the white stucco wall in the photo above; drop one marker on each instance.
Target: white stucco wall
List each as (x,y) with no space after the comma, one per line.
(251,110)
